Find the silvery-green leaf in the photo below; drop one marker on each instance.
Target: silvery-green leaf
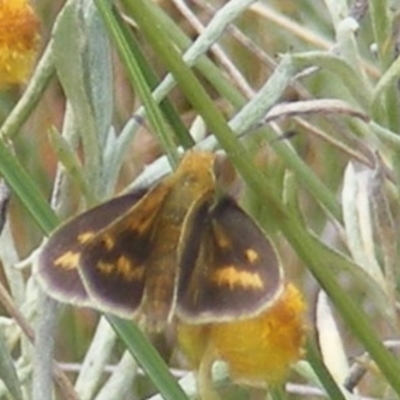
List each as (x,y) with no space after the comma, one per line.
(8,373)
(99,68)
(330,341)
(95,360)
(83,63)
(119,384)
(385,230)
(358,221)
(70,44)
(338,10)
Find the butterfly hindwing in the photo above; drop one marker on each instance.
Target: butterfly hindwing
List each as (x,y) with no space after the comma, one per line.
(57,266)
(228,268)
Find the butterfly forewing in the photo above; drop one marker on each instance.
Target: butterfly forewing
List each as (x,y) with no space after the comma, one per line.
(57,266)
(113,264)
(228,268)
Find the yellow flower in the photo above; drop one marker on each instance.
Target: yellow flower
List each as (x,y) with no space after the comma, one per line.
(19,39)
(258,350)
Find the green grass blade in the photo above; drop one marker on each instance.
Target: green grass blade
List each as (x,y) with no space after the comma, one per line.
(148,358)
(156,118)
(26,190)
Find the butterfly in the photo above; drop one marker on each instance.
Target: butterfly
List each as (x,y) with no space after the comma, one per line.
(178,249)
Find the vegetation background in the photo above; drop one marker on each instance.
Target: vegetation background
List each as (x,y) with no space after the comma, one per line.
(310,90)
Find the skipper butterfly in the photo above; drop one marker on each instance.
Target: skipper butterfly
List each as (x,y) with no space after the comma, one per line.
(179,249)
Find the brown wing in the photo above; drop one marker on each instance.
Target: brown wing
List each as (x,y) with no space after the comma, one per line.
(58,262)
(228,268)
(113,262)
